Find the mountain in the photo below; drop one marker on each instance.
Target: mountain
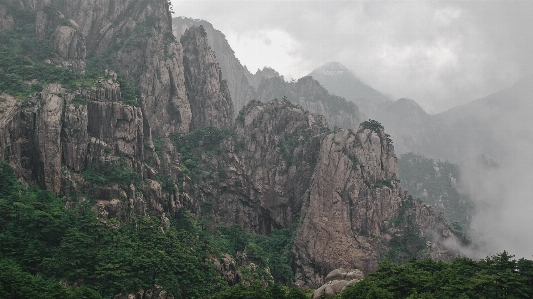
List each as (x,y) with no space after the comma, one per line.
(240,81)
(467,131)
(457,134)
(340,81)
(267,84)
(310,95)
(154,187)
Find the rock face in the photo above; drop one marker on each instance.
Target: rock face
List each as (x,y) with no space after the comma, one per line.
(208,93)
(267,178)
(69,47)
(238,77)
(438,184)
(337,281)
(343,184)
(350,204)
(128,32)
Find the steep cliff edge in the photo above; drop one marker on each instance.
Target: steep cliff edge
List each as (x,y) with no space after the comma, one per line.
(355,212)
(285,165)
(238,77)
(208,93)
(135,39)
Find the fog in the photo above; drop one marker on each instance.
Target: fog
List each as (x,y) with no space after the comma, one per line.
(503,193)
(439,53)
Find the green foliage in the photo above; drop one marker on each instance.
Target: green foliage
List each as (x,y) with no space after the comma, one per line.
(420,178)
(498,276)
(273,250)
(384,183)
(79,100)
(257,291)
(288,144)
(202,31)
(112,172)
(167,182)
(372,125)
(192,145)
(43,244)
(130,94)
(158,144)
(377,127)
(409,244)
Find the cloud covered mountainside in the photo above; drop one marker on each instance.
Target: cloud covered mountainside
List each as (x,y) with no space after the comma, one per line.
(135,166)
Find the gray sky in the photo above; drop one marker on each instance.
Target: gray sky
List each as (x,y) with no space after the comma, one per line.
(439,53)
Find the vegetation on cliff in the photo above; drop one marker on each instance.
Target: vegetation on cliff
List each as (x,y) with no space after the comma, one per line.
(49,251)
(437,183)
(499,276)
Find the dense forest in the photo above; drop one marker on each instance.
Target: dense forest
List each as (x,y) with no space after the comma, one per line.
(49,251)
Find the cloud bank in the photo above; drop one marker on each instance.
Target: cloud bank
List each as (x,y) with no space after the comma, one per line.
(439,53)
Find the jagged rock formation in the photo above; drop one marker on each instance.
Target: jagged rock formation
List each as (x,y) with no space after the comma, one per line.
(358,200)
(69,47)
(310,95)
(240,80)
(126,33)
(279,165)
(265,73)
(208,94)
(343,184)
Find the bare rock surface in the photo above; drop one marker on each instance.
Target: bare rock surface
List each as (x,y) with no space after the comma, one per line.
(6,21)
(208,93)
(237,76)
(337,281)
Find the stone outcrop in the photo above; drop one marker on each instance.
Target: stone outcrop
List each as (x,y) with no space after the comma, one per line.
(267,178)
(135,38)
(337,281)
(353,196)
(343,184)
(69,46)
(237,76)
(208,93)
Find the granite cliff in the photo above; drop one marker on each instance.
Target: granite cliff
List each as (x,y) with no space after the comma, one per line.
(173,142)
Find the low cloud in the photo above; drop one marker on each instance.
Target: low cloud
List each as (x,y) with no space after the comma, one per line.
(440,53)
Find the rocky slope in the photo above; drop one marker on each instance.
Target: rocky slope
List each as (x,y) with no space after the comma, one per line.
(277,165)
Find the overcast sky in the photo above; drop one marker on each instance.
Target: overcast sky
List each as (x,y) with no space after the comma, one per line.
(439,53)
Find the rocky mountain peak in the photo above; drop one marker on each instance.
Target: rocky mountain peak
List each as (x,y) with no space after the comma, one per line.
(207,91)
